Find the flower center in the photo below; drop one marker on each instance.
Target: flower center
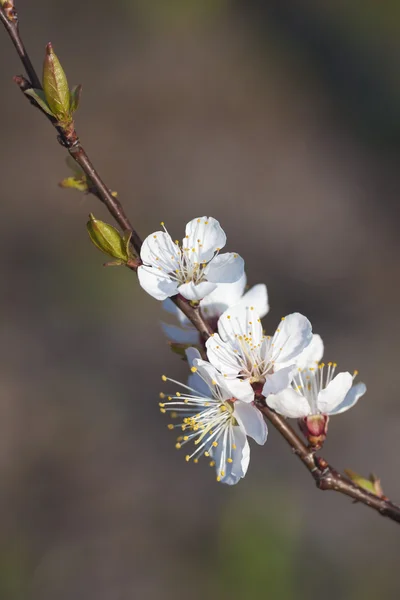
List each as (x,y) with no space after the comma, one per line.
(309,382)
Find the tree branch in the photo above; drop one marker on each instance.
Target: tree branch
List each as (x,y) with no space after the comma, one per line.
(325,476)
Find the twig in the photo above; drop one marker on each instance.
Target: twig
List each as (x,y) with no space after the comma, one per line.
(325,476)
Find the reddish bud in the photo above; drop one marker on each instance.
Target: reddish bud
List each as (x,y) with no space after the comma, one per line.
(314,428)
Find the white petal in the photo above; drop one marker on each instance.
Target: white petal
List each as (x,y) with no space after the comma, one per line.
(224,295)
(181,335)
(257,296)
(199,385)
(252,421)
(158,286)
(222,356)
(351,398)
(158,250)
(289,404)
(190,291)
(205,236)
(239,321)
(225,268)
(237,469)
(334,394)
(191,355)
(292,336)
(211,376)
(279,380)
(240,389)
(311,354)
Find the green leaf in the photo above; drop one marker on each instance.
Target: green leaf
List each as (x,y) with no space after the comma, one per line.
(40,99)
(55,86)
(74,183)
(107,239)
(75,97)
(372,485)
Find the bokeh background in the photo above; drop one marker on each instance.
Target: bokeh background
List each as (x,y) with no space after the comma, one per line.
(282,120)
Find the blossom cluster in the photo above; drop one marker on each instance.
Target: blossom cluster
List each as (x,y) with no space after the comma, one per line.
(239,367)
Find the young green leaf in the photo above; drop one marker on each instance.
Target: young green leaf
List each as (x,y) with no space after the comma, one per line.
(75,97)
(55,86)
(107,239)
(40,99)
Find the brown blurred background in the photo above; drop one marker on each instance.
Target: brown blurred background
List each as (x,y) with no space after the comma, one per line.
(282,120)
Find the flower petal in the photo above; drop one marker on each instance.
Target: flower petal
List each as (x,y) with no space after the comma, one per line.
(191,355)
(240,322)
(191,291)
(204,237)
(222,356)
(225,268)
(351,398)
(289,403)
(210,375)
(181,335)
(257,296)
(334,393)
(239,388)
(224,295)
(158,250)
(237,469)
(311,354)
(292,336)
(278,381)
(199,385)
(252,421)
(157,285)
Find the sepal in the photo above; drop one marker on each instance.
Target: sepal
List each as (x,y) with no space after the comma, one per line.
(314,428)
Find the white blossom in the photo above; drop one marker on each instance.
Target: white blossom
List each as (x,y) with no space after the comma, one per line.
(193,268)
(251,361)
(213,306)
(215,421)
(317,391)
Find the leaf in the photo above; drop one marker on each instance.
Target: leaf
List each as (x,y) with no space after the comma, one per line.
(372,485)
(74,183)
(40,99)
(75,97)
(55,86)
(107,239)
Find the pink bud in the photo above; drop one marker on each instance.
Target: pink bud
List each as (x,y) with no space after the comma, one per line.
(314,428)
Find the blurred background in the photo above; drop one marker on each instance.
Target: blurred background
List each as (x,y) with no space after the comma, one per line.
(282,120)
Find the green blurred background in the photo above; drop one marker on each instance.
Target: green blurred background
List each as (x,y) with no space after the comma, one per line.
(282,120)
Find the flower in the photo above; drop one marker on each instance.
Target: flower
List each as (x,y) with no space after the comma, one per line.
(249,360)
(215,421)
(213,306)
(192,269)
(314,395)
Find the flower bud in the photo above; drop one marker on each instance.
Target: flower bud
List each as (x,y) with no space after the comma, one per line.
(108,239)
(314,428)
(55,86)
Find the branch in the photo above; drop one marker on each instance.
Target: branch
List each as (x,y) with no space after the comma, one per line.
(325,476)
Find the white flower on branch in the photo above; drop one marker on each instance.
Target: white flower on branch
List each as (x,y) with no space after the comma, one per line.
(314,395)
(215,421)
(251,361)
(192,269)
(213,306)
